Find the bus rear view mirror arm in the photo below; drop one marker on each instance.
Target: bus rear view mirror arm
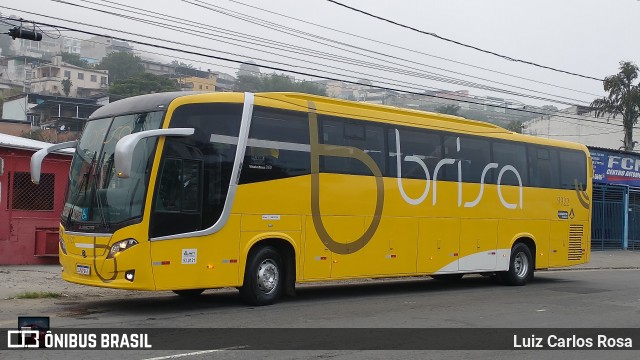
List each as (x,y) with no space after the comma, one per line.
(123,156)
(36,159)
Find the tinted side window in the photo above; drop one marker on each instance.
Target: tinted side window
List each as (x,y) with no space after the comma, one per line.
(474,155)
(515,155)
(421,144)
(216,153)
(278,146)
(543,167)
(362,135)
(573,169)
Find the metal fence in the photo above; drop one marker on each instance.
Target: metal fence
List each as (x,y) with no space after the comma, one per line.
(634,219)
(608,211)
(25,195)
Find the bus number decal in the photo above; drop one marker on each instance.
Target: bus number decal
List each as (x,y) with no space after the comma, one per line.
(189,256)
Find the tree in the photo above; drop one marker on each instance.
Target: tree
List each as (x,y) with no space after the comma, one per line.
(66,86)
(515,126)
(177,63)
(623,99)
(74,59)
(448,109)
(277,82)
(248,68)
(121,65)
(141,84)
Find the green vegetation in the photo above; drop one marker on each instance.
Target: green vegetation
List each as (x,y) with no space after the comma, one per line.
(38,295)
(74,59)
(66,86)
(141,84)
(623,99)
(448,109)
(277,82)
(121,66)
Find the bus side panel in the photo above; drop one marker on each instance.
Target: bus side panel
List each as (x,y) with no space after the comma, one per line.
(398,239)
(317,258)
(478,244)
(438,245)
(569,243)
(510,231)
(213,264)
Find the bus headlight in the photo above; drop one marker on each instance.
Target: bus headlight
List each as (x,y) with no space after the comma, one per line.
(121,246)
(63,246)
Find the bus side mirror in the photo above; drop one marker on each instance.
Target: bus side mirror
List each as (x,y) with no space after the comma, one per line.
(36,159)
(123,155)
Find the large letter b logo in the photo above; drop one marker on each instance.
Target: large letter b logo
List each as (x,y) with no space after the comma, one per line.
(318,150)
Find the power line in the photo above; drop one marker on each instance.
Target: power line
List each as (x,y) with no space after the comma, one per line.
(264,66)
(173,27)
(463,44)
(409,49)
(450,80)
(257,73)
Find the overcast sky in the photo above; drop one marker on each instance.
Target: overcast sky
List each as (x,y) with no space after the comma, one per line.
(588,37)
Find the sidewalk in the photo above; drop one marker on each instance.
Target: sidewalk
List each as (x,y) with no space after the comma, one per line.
(18,279)
(612,259)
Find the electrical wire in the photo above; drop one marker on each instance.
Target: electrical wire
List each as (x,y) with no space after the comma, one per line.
(443,78)
(257,73)
(414,86)
(271,67)
(407,49)
(463,44)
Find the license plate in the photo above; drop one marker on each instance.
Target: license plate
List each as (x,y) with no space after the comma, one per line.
(83,269)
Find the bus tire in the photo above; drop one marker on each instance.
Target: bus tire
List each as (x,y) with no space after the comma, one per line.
(520,266)
(448,277)
(263,277)
(190,293)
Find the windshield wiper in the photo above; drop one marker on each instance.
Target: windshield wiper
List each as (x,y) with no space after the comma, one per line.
(83,182)
(98,196)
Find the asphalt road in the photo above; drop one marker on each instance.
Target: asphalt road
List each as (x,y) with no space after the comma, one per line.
(560,299)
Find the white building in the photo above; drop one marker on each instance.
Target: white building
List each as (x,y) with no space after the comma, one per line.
(579,125)
(47,79)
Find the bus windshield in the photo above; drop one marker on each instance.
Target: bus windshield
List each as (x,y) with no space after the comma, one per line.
(97,199)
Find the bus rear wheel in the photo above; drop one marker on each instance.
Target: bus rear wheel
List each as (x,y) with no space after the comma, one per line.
(520,266)
(263,277)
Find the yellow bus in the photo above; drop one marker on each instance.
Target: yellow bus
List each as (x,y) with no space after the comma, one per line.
(193,191)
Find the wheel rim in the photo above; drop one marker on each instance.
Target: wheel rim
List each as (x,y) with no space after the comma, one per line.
(521,265)
(268,276)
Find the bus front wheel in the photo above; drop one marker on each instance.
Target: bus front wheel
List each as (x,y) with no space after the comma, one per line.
(520,266)
(263,277)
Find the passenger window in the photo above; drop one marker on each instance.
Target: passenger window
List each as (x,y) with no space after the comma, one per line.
(278,146)
(543,167)
(513,154)
(362,135)
(418,143)
(474,155)
(573,169)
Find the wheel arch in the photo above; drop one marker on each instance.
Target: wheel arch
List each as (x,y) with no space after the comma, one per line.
(529,240)
(288,249)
